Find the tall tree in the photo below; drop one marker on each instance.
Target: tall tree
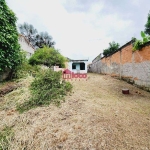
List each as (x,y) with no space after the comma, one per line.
(147,25)
(38,40)
(29,32)
(9,46)
(111,49)
(44,39)
(113,46)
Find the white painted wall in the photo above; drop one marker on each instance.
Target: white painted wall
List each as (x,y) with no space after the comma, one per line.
(76,70)
(26,46)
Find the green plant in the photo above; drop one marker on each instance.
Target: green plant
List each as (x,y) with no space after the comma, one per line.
(46,88)
(138,44)
(9,46)
(25,68)
(111,49)
(47,56)
(147,25)
(5,136)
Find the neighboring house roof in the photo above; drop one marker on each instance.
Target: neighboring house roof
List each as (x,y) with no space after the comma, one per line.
(97,57)
(20,35)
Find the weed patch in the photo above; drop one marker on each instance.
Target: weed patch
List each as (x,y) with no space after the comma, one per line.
(46,88)
(26,69)
(5,136)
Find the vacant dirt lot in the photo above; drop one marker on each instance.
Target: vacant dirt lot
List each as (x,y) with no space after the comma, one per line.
(95,116)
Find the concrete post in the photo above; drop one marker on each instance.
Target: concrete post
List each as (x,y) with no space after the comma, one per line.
(120,66)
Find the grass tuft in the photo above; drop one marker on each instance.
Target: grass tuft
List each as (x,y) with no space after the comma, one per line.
(5,136)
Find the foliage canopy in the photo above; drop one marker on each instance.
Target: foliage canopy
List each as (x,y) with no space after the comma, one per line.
(47,56)
(147,25)
(28,31)
(38,40)
(111,49)
(9,46)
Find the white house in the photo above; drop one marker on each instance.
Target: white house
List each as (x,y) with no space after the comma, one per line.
(26,46)
(78,66)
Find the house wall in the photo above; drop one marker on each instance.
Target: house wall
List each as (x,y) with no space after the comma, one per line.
(26,46)
(134,67)
(77,70)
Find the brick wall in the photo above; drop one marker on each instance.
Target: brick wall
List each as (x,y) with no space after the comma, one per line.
(134,67)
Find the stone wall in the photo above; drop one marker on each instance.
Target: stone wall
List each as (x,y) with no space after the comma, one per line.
(134,67)
(4,75)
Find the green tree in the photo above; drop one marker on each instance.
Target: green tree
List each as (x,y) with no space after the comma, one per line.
(44,39)
(111,49)
(38,40)
(47,56)
(9,46)
(29,32)
(147,25)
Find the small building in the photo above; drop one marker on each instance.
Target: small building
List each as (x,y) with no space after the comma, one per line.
(26,45)
(78,66)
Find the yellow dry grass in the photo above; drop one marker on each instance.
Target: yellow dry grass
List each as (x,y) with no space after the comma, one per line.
(19,95)
(95,116)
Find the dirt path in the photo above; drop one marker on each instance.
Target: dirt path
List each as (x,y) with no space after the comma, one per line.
(95,116)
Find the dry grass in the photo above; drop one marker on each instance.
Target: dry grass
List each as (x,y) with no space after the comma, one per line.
(96,116)
(20,95)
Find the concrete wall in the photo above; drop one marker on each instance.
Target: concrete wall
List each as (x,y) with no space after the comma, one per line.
(56,68)
(26,46)
(134,67)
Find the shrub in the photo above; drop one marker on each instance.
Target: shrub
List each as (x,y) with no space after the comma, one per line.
(47,56)
(138,44)
(9,46)
(25,68)
(46,88)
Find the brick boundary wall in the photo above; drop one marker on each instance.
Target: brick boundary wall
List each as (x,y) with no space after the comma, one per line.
(133,67)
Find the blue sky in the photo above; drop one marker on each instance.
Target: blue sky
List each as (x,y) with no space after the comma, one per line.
(83,28)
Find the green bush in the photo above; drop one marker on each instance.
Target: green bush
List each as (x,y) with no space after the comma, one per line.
(9,46)
(25,68)
(113,47)
(46,88)
(138,44)
(47,56)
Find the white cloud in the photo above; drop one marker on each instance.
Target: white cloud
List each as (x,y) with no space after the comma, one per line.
(77,33)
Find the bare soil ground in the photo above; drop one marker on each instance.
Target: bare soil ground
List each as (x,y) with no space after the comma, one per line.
(96,116)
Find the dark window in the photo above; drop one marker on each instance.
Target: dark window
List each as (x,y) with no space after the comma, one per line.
(73,66)
(82,66)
